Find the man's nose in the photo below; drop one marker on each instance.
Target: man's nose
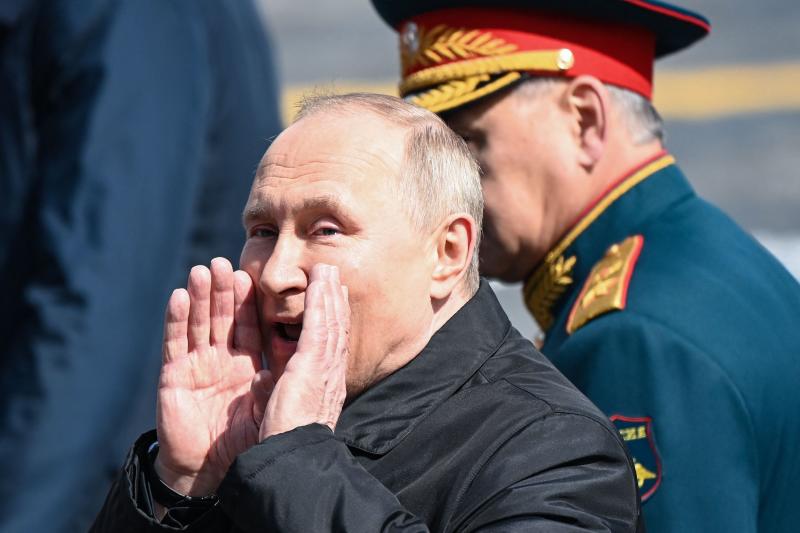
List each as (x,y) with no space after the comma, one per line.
(283,273)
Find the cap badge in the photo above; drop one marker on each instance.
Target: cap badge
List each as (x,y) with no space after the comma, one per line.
(409,39)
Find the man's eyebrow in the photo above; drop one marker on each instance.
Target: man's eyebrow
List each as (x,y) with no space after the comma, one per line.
(257,211)
(329,202)
(266,210)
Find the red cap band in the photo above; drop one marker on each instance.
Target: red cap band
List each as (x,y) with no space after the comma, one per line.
(616,53)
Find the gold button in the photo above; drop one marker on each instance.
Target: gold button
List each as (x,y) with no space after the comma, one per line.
(565,59)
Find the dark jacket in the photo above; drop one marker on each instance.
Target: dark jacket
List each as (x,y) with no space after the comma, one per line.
(129,132)
(697,365)
(478,433)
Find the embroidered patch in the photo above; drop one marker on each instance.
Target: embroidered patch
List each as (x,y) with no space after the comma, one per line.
(545,288)
(445,67)
(606,288)
(637,432)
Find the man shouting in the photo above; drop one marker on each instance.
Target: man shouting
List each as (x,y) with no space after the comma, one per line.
(396,395)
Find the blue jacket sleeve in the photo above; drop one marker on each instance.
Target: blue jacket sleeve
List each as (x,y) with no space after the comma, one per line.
(123,110)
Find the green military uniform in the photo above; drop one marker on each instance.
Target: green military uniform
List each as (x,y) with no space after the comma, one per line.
(684,330)
(676,323)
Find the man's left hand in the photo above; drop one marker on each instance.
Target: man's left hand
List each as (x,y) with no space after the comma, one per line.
(312,388)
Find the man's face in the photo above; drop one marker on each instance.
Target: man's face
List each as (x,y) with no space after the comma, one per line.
(520,145)
(325,192)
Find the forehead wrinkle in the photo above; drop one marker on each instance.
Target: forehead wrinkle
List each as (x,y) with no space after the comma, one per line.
(378,159)
(367,160)
(266,207)
(331,165)
(325,138)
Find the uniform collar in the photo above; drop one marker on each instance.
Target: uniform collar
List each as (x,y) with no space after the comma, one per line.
(384,414)
(638,195)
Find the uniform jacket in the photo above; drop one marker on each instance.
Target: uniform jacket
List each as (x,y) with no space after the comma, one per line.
(478,433)
(686,332)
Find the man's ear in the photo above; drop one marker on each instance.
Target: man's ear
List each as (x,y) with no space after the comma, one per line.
(454,242)
(587,100)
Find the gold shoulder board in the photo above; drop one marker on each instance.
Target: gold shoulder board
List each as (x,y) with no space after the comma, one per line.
(606,288)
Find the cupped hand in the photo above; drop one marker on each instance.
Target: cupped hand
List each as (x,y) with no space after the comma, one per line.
(312,388)
(212,392)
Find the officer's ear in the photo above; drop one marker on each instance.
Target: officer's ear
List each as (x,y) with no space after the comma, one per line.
(453,246)
(587,100)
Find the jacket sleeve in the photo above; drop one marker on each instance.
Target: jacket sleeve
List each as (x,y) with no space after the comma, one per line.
(307,480)
(702,431)
(564,473)
(129,505)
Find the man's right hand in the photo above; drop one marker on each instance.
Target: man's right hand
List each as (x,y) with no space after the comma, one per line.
(212,392)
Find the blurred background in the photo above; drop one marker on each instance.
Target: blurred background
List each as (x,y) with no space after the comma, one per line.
(731,102)
(129,132)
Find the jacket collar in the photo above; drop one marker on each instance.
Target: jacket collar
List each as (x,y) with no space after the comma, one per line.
(638,196)
(384,414)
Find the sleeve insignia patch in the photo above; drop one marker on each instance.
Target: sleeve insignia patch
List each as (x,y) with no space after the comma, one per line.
(606,288)
(637,432)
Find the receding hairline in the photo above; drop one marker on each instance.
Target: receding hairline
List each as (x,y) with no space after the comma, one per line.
(349,107)
(348,111)
(404,118)
(392,109)
(431,151)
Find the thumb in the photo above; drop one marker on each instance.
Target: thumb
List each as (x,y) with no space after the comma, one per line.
(261,387)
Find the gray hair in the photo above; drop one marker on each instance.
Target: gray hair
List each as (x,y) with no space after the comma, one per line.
(641,118)
(439,176)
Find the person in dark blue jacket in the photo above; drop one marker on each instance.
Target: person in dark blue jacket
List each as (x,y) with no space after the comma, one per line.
(129,133)
(671,318)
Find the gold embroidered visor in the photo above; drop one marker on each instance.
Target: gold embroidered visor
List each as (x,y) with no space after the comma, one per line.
(455,56)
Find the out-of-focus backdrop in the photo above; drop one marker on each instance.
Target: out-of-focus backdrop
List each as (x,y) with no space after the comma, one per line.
(129,131)
(731,102)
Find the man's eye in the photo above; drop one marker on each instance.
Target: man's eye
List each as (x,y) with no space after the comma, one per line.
(263,233)
(327,232)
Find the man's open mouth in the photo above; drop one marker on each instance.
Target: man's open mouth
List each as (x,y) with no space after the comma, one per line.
(289,332)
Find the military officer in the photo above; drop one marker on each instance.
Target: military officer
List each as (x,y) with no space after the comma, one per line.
(672,319)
